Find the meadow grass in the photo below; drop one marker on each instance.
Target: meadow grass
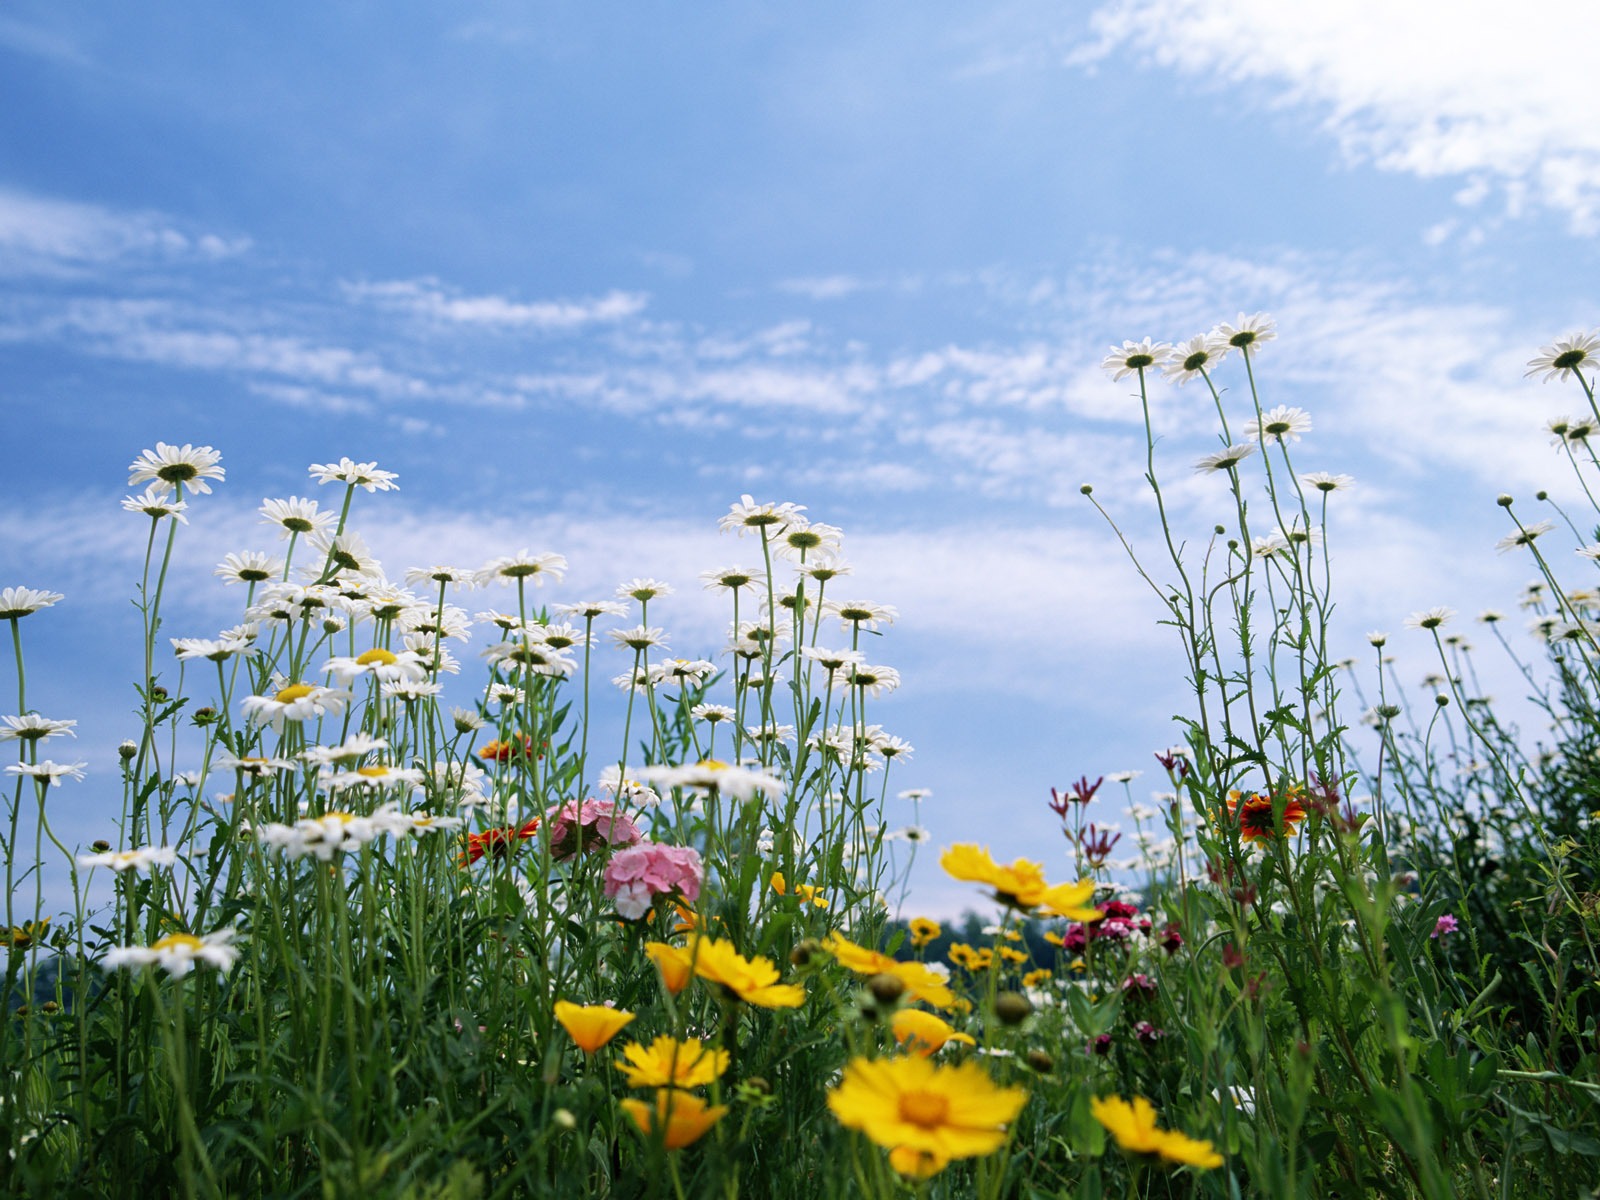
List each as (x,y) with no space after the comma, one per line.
(365,942)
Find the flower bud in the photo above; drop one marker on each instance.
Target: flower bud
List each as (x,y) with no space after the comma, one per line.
(127,750)
(1012,1008)
(804,951)
(563,1119)
(100,845)
(1503,500)
(1087,489)
(1041,1062)
(886,989)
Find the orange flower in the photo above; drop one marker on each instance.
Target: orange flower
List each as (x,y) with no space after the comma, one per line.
(497,842)
(680,1118)
(1255,814)
(674,964)
(519,746)
(591,1026)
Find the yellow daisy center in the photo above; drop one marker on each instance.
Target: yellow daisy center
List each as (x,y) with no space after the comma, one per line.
(178,941)
(379,656)
(925,1109)
(377,772)
(295,691)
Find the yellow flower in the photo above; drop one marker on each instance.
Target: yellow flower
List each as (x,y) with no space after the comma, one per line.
(917,1164)
(920,982)
(682,1117)
(1072,900)
(924,931)
(1034,979)
(673,963)
(593,1025)
(964,955)
(667,1062)
(923,1033)
(1019,885)
(1010,955)
(914,1107)
(753,980)
(810,895)
(1134,1128)
(779,884)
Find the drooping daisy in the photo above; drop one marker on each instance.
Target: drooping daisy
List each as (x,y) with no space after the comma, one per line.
(1282,424)
(1564,357)
(1135,358)
(155,502)
(362,475)
(17,602)
(170,466)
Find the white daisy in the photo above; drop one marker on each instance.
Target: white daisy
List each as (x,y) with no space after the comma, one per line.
(433,577)
(1134,358)
(294,702)
(1188,359)
(379,664)
(711,714)
(31,727)
(1325,482)
(1227,458)
(141,859)
(177,953)
(50,772)
(347,552)
(296,515)
(1562,358)
(711,775)
(748,515)
(1430,618)
(186,465)
(523,565)
(18,602)
(1246,333)
(157,501)
(1281,424)
(802,539)
(589,610)
(640,637)
(860,614)
(1524,536)
(875,681)
(250,567)
(362,475)
(643,590)
(216,649)
(731,578)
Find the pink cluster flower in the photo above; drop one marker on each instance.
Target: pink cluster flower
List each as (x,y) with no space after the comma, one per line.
(636,876)
(1445,924)
(576,827)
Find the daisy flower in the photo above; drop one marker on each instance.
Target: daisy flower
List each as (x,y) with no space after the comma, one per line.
(141,859)
(1134,357)
(377,663)
(177,953)
(1430,618)
(1563,358)
(347,552)
(1189,359)
(640,637)
(1325,482)
(747,515)
(1524,536)
(362,475)
(376,775)
(156,502)
(294,702)
(590,610)
(49,772)
(731,578)
(1227,458)
(523,565)
(711,775)
(31,727)
(253,765)
(876,681)
(643,590)
(802,538)
(1246,333)
(434,576)
(296,515)
(250,567)
(1281,424)
(170,466)
(18,602)
(859,614)
(216,649)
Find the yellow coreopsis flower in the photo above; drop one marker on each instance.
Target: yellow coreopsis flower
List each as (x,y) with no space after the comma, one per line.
(917,1109)
(753,980)
(667,1062)
(920,982)
(1020,884)
(923,1033)
(1072,900)
(681,1118)
(1134,1128)
(591,1026)
(673,963)
(924,931)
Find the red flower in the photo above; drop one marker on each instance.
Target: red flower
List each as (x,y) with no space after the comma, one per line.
(496,842)
(498,751)
(1256,818)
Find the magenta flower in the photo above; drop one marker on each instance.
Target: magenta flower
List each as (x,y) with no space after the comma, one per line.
(637,875)
(1445,924)
(576,827)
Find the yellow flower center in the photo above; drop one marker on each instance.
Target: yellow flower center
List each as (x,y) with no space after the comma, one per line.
(176,941)
(384,658)
(295,691)
(926,1109)
(377,772)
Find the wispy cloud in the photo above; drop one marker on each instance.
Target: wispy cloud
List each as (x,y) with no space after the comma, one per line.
(41,235)
(430,300)
(1433,88)
(40,43)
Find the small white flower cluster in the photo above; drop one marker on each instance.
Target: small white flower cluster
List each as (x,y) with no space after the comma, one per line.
(337,832)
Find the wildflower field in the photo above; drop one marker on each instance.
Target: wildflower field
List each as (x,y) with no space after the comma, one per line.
(378,917)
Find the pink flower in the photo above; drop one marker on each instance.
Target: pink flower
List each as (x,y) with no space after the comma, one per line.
(576,827)
(1445,924)
(636,876)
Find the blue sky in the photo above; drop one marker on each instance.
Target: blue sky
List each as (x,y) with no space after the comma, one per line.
(584,274)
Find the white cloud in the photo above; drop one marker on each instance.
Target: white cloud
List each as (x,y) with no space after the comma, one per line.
(1433,87)
(822,287)
(432,301)
(41,235)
